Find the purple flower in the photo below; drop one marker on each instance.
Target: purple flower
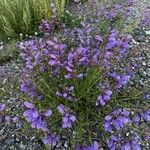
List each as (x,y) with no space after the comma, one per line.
(78,58)
(121,80)
(99,38)
(39,123)
(31,114)
(122,143)
(147,96)
(61,109)
(40,97)
(2,107)
(46,26)
(104,98)
(67,117)
(136,119)
(116,120)
(112,141)
(130,145)
(33,117)
(15,119)
(28,105)
(48,113)
(51,139)
(7,120)
(146,115)
(135,145)
(126,146)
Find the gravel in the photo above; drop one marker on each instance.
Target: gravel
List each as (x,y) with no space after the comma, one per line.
(12,137)
(142,77)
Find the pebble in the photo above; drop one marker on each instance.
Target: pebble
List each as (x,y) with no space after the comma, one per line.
(135,42)
(12,148)
(58,144)
(148,71)
(22,146)
(147,32)
(143,73)
(66,144)
(144,64)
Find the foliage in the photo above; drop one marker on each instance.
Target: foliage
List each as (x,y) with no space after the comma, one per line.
(19,16)
(75,83)
(60,6)
(8,51)
(70,20)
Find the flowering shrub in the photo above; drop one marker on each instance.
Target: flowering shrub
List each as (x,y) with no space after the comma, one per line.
(72,81)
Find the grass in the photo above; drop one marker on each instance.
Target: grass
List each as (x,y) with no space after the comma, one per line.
(22,16)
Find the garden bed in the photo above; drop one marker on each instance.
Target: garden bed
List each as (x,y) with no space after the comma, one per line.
(19,135)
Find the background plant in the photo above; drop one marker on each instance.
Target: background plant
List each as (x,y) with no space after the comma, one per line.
(20,16)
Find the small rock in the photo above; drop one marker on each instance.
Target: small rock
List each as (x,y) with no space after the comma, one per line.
(22,146)
(144,64)
(58,144)
(143,73)
(66,144)
(32,138)
(12,148)
(9,141)
(17,139)
(141,83)
(148,63)
(131,82)
(148,71)
(1,47)
(147,32)
(135,42)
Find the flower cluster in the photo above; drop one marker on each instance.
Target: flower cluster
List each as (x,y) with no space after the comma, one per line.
(116,120)
(121,80)
(104,98)
(33,117)
(38,121)
(116,142)
(67,118)
(120,124)
(143,115)
(51,139)
(114,11)
(46,27)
